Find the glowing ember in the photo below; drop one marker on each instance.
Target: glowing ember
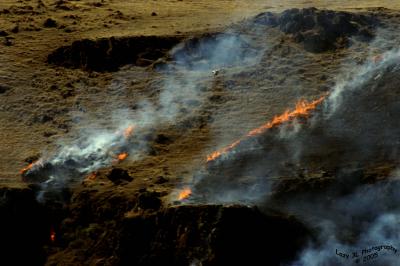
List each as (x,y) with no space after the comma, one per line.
(27,168)
(92,176)
(129,131)
(52,235)
(184,194)
(303,109)
(122,156)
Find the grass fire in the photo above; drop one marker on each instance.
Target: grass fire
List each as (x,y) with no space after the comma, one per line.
(302,110)
(199,132)
(122,156)
(184,194)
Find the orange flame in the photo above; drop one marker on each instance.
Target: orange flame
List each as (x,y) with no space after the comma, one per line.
(92,176)
(224,150)
(129,131)
(122,156)
(184,194)
(27,168)
(52,235)
(302,109)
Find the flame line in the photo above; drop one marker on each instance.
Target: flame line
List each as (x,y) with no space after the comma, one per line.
(30,166)
(302,109)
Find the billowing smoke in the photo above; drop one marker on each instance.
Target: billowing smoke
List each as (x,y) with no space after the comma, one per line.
(196,62)
(184,80)
(345,128)
(360,228)
(356,124)
(355,80)
(355,219)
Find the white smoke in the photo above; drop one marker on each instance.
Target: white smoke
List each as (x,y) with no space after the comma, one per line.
(371,215)
(354,80)
(184,81)
(362,227)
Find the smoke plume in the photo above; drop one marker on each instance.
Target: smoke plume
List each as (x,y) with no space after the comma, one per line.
(184,80)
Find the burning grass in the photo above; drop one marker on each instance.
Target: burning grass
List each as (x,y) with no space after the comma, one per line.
(30,166)
(302,109)
(119,224)
(184,194)
(122,156)
(80,159)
